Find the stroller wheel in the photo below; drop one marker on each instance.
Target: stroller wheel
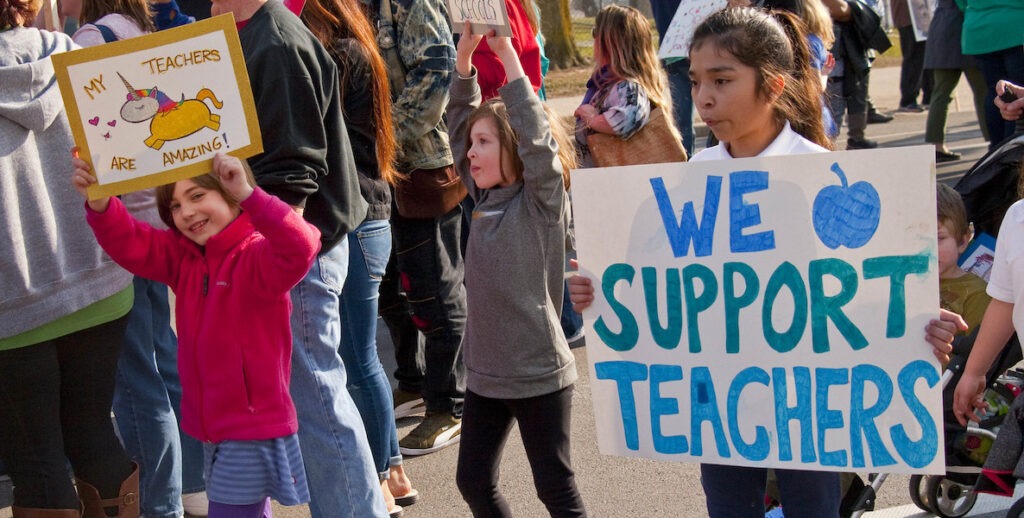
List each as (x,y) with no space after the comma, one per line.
(948,498)
(917,494)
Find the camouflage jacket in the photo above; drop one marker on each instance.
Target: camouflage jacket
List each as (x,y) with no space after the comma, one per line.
(420,70)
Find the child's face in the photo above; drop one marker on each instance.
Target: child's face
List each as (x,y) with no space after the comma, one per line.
(950,249)
(486,158)
(727,99)
(200,213)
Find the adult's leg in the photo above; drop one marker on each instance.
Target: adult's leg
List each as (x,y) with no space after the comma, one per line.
(88,368)
(31,442)
(430,263)
(339,467)
(1003,64)
(809,494)
(678,73)
(397,315)
(485,430)
(545,423)
(166,348)
(145,417)
(734,491)
(977,83)
(911,66)
(370,248)
(946,80)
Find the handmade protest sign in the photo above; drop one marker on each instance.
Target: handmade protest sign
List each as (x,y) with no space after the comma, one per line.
(155,109)
(676,42)
(484,15)
(765,312)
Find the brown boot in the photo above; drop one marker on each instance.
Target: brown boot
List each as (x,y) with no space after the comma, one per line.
(28,512)
(126,502)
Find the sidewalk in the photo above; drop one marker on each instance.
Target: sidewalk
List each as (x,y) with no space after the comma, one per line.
(884,91)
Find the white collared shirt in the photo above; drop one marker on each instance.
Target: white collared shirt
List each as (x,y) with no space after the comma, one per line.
(787,143)
(1007,280)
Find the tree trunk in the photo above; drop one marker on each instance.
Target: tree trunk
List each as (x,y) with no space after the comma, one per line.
(558,40)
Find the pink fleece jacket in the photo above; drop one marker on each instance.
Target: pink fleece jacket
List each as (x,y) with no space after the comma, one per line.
(232,310)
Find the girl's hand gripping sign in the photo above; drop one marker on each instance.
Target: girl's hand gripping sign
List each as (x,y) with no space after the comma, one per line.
(152,110)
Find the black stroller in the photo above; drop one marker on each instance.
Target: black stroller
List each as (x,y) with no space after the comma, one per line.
(988,189)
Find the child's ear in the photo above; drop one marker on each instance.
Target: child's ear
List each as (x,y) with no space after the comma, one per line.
(966,240)
(776,85)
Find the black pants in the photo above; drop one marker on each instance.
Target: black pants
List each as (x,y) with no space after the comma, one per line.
(55,401)
(912,77)
(544,423)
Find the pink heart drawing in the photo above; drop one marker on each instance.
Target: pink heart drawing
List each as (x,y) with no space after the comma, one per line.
(112,123)
(94,121)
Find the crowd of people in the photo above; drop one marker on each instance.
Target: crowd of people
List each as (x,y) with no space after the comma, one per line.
(407,176)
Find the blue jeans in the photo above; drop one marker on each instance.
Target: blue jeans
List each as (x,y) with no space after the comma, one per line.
(738,492)
(428,258)
(147,405)
(370,248)
(682,100)
(1003,64)
(339,468)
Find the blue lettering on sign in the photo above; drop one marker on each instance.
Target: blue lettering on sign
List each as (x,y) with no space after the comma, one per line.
(681,232)
(825,308)
(918,453)
(735,302)
(667,336)
(828,419)
(896,268)
(811,411)
(786,275)
(743,215)
(800,413)
(695,303)
(759,449)
(862,420)
(627,338)
(661,406)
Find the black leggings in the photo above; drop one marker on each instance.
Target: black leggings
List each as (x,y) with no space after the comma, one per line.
(544,423)
(55,407)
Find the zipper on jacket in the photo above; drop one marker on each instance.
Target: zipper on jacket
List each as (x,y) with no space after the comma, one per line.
(206,283)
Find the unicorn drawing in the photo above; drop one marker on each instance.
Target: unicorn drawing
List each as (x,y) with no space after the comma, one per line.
(169,119)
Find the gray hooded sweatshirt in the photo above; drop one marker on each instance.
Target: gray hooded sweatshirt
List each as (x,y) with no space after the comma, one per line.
(50,264)
(515,258)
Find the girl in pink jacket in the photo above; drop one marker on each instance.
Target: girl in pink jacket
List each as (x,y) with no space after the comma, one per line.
(231,256)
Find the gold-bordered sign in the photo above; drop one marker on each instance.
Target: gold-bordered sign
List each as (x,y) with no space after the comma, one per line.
(154,109)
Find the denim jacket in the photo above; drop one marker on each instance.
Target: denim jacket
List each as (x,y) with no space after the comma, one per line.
(424,43)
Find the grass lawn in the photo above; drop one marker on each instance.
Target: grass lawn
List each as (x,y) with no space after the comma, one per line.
(572,82)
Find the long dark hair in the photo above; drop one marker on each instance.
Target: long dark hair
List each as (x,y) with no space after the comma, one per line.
(773,43)
(331,20)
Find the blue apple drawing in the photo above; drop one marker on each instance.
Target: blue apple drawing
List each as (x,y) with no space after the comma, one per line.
(846,215)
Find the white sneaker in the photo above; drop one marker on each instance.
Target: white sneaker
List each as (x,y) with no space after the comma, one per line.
(196,504)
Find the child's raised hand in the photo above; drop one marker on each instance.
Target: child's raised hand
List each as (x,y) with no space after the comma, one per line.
(231,173)
(464,52)
(82,178)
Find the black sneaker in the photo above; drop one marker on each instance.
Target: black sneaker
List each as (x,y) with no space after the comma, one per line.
(875,117)
(861,144)
(944,156)
(911,108)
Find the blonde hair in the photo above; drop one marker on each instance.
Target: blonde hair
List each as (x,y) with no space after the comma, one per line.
(951,212)
(509,139)
(818,22)
(625,37)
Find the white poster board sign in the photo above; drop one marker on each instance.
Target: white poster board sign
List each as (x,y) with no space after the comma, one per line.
(484,15)
(155,109)
(676,43)
(765,312)
(921,12)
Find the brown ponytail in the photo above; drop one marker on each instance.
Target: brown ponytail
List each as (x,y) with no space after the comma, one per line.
(775,44)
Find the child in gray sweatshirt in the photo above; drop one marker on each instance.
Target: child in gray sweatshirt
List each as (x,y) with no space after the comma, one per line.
(519,366)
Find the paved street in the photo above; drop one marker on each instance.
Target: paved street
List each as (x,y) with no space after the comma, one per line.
(620,487)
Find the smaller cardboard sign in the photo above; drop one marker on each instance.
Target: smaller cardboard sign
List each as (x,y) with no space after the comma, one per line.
(484,15)
(676,43)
